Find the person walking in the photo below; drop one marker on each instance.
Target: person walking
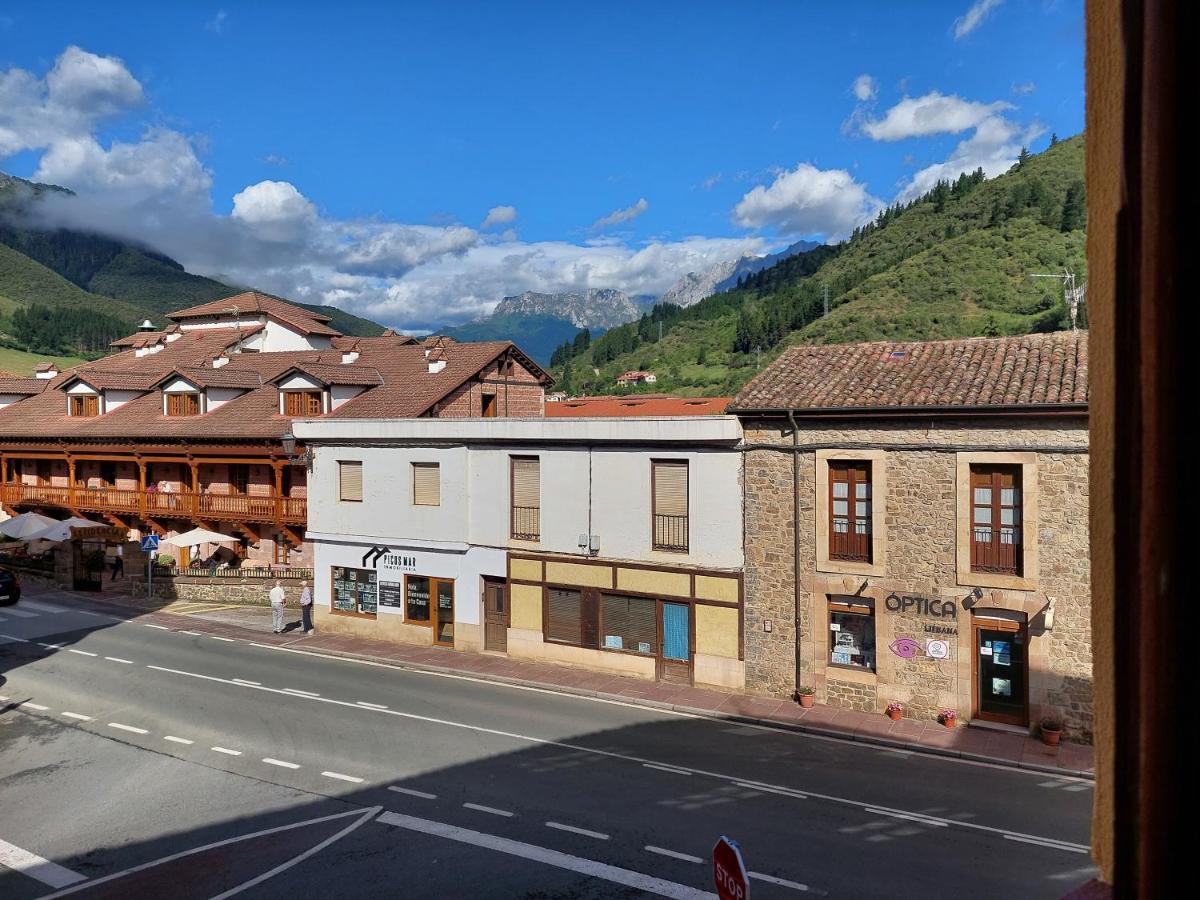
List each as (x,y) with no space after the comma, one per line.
(278,597)
(118,563)
(306,607)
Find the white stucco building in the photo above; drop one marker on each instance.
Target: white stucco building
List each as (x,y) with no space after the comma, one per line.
(614,544)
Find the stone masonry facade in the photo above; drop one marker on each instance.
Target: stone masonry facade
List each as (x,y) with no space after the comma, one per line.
(919,466)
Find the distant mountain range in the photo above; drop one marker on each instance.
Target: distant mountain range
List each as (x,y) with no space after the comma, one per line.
(695,286)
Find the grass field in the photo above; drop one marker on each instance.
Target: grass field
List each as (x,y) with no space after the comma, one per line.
(21,363)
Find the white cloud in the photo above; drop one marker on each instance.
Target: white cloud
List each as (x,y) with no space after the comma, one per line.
(274,210)
(993,147)
(711,181)
(617,216)
(217,23)
(865,88)
(1024,89)
(808,201)
(934,113)
(499,215)
(274,159)
(973,17)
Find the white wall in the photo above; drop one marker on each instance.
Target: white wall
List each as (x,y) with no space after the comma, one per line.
(80,388)
(10,399)
(180,386)
(220,396)
(299,382)
(115,399)
(340,393)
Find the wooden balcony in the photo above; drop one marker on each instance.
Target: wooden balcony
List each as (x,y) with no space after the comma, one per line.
(174,505)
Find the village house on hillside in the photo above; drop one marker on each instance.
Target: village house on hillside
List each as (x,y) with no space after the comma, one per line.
(916,521)
(191,426)
(637,377)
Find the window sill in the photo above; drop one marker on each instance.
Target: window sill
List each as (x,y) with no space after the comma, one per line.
(849,567)
(972,578)
(352,614)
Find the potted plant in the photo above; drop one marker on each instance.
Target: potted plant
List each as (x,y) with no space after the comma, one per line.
(1051,731)
(806,695)
(895,710)
(948,717)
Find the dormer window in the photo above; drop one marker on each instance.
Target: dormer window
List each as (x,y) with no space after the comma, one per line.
(84,406)
(302,403)
(183,404)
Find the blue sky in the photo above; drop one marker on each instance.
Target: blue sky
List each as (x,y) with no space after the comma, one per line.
(351,153)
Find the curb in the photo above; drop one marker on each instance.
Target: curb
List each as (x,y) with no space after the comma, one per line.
(793,727)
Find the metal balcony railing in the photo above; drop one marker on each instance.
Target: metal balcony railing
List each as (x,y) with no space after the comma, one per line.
(526,523)
(671,533)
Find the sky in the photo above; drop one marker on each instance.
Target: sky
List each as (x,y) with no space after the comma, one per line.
(415,163)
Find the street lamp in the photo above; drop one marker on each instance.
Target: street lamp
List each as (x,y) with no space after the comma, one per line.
(288,441)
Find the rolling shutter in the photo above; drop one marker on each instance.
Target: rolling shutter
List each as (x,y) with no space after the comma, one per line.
(427,484)
(350,480)
(526,498)
(563,616)
(670,488)
(628,624)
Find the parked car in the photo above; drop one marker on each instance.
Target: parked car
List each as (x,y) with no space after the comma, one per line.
(10,587)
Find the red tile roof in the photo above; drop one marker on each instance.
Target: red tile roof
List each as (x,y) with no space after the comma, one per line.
(969,374)
(17,384)
(327,374)
(253,302)
(636,405)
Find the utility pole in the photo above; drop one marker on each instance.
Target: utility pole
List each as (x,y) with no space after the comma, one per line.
(660,329)
(1074,296)
(825,292)
(758,358)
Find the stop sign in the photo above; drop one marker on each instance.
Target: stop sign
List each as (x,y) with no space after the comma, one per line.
(729,871)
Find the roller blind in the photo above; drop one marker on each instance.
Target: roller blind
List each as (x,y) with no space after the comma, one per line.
(350,480)
(427,484)
(670,488)
(628,623)
(563,616)
(526,482)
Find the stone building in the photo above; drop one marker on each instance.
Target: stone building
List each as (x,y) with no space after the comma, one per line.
(919,512)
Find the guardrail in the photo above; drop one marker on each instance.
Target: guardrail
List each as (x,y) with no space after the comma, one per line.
(264,572)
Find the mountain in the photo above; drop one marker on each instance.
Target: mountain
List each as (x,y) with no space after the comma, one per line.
(695,286)
(955,262)
(536,334)
(595,308)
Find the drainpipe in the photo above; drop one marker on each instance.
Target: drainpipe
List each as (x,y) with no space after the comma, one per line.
(796,535)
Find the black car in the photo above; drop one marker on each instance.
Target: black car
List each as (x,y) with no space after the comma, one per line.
(10,587)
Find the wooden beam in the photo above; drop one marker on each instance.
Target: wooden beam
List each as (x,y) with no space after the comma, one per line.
(249,532)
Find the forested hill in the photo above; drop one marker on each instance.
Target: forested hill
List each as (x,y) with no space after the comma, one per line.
(954,263)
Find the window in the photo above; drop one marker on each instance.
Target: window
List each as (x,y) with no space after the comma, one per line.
(488,406)
(628,623)
(350,481)
(427,484)
(526,494)
(239,478)
(302,403)
(416,600)
(996,519)
(183,404)
(852,632)
(563,616)
(355,591)
(669,490)
(850,511)
(85,405)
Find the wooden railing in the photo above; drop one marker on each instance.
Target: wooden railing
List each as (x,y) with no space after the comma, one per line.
(174,504)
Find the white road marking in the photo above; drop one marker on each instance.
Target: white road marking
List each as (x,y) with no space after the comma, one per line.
(74,715)
(911,817)
(80,652)
(4,699)
(663,851)
(363,813)
(51,646)
(559,826)
(37,706)
(369,705)
(48,873)
(176,740)
(159,627)
(13,637)
(227,751)
(612,754)
(782,882)
(489,809)
(192,633)
(217,637)
(302,693)
(340,777)
(43,607)
(670,769)
(784,792)
(128,662)
(247,681)
(127,728)
(546,856)
(20,613)
(281,763)
(412,793)
(1051,844)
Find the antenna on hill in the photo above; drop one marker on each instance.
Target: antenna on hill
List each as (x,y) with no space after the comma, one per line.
(1074,296)
(758,355)
(825,293)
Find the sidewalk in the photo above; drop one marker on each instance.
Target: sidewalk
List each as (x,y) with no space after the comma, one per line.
(977,743)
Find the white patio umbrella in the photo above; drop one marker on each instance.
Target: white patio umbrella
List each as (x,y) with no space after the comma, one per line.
(26,525)
(61,531)
(199,536)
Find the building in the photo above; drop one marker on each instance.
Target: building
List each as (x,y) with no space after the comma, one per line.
(614,545)
(638,377)
(186,426)
(920,511)
(637,405)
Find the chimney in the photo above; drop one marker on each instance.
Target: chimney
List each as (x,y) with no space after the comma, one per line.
(146,325)
(219,361)
(46,370)
(350,354)
(436,365)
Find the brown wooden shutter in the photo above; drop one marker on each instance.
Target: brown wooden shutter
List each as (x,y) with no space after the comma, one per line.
(350,480)
(427,484)
(526,497)
(563,610)
(670,486)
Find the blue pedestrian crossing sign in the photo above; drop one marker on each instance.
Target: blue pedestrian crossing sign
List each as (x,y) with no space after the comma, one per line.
(150,542)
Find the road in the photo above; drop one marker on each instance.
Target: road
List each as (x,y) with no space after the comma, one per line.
(127,746)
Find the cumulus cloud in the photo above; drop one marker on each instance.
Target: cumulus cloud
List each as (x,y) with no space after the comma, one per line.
(617,216)
(865,88)
(274,210)
(934,113)
(973,17)
(808,201)
(993,147)
(499,215)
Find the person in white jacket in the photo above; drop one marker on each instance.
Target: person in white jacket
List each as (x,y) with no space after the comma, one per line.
(278,597)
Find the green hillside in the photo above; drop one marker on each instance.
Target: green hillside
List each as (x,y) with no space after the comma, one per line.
(537,335)
(953,263)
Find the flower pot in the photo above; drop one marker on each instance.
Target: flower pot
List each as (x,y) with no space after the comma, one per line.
(1051,738)
(949,723)
(895,715)
(806,700)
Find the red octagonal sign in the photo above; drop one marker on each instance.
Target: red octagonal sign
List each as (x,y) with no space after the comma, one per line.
(729,871)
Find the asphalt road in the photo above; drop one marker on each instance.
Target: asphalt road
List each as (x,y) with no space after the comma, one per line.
(122,746)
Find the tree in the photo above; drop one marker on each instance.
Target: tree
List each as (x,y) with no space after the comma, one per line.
(1023,157)
(1074,213)
(1053,138)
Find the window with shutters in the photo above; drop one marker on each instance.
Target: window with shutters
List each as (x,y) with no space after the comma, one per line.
(84,405)
(996,519)
(350,481)
(669,513)
(427,484)
(850,510)
(628,624)
(302,403)
(488,406)
(526,498)
(564,612)
(187,404)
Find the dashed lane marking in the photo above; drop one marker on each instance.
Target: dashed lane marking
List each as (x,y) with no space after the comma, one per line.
(81,652)
(340,777)
(117,659)
(78,716)
(670,769)
(674,854)
(226,751)
(248,681)
(783,792)
(151,625)
(52,646)
(43,607)
(302,693)
(283,764)
(369,705)
(559,826)
(491,810)
(176,740)
(782,882)
(217,637)
(37,706)
(412,793)
(911,817)
(47,872)
(131,728)
(1051,844)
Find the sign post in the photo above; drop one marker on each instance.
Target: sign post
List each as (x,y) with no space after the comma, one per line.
(729,871)
(150,546)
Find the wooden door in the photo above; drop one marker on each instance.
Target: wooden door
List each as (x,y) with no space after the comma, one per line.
(495,616)
(1001,689)
(675,643)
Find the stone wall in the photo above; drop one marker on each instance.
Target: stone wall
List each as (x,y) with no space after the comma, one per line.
(246,591)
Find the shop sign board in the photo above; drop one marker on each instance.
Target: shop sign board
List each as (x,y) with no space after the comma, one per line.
(390,594)
(924,606)
(729,871)
(937,649)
